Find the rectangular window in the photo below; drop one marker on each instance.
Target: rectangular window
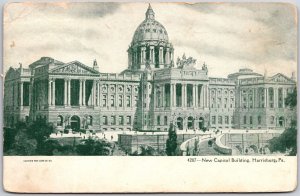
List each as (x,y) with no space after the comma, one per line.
(128,120)
(104,120)
(213,120)
(259,120)
(220,120)
(104,101)
(120,101)
(226,120)
(135,101)
(232,120)
(158,120)
(112,101)
(250,120)
(245,119)
(165,120)
(113,120)
(121,120)
(128,102)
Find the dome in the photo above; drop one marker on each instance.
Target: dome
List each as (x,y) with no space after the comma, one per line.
(150,29)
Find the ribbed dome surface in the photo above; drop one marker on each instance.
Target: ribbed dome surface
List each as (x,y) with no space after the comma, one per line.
(150,29)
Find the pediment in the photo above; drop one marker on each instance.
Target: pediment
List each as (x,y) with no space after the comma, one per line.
(280,78)
(74,67)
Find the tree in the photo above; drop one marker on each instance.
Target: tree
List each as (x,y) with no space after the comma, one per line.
(291,99)
(23,145)
(147,151)
(287,141)
(171,144)
(93,147)
(9,138)
(40,130)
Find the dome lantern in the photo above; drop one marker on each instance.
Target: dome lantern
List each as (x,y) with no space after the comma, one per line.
(150,13)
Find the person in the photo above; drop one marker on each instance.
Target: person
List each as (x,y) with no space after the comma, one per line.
(111,137)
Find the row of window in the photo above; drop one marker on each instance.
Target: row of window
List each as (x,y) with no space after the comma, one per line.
(113,120)
(222,119)
(112,88)
(227,103)
(220,93)
(112,101)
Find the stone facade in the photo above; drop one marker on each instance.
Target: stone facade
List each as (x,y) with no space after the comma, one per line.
(149,95)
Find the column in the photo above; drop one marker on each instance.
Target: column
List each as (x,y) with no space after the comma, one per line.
(152,59)
(240,99)
(80,92)
(69,91)
(173,97)
(265,101)
(194,95)
(161,56)
(205,96)
(202,96)
(21,94)
(163,95)
(253,98)
(53,92)
(167,61)
(257,98)
(49,92)
(99,102)
(283,97)
(65,91)
(83,93)
(182,95)
(94,93)
(132,98)
(275,97)
(209,98)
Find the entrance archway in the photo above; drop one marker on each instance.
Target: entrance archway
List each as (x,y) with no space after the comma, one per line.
(281,121)
(190,122)
(180,123)
(201,123)
(75,123)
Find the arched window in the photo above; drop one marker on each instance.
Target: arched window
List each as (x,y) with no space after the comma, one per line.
(59,121)
(190,122)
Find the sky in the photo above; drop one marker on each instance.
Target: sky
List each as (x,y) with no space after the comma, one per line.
(226,36)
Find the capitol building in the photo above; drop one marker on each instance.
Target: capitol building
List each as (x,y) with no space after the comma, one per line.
(155,90)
